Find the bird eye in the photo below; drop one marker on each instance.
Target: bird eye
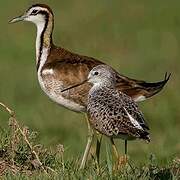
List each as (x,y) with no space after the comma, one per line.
(34,12)
(96,73)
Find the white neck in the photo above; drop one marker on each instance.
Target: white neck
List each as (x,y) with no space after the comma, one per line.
(43,44)
(40,28)
(42,51)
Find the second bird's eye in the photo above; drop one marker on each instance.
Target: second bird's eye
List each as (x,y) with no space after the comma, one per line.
(96,73)
(34,12)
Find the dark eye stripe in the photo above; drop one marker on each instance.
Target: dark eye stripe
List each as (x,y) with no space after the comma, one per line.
(34,12)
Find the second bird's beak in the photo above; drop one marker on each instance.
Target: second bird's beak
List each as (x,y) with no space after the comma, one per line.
(17,19)
(75,85)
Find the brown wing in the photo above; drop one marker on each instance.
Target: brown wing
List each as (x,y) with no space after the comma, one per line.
(73,69)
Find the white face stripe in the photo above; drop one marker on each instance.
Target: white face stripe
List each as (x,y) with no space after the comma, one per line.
(133,121)
(36,18)
(36,8)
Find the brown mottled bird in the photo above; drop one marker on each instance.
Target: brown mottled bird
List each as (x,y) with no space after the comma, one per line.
(58,68)
(110,111)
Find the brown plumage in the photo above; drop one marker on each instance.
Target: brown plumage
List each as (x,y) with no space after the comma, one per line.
(72,69)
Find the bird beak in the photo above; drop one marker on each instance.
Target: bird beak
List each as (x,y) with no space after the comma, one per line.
(75,86)
(17,19)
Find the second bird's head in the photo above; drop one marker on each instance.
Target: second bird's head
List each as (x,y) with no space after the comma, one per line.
(38,14)
(102,74)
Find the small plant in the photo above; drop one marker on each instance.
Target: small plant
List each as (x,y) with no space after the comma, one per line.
(20,153)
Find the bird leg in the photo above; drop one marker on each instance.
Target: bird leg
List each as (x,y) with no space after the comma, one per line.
(98,146)
(121,160)
(125,147)
(88,145)
(124,159)
(116,154)
(115,151)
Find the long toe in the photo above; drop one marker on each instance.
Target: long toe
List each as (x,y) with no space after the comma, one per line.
(122,162)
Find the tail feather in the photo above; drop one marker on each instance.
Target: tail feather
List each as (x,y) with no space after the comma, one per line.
(140,90)
(154,88)
(145,136)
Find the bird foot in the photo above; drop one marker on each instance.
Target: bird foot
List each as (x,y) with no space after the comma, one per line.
(122,161)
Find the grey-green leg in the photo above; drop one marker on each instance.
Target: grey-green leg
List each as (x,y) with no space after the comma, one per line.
(125,147)
(115,151)
(88,145)
(98,146)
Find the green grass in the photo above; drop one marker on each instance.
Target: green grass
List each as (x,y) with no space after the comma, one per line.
(22,158)
(138,38)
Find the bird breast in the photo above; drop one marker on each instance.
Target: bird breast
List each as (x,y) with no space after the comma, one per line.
(53,87)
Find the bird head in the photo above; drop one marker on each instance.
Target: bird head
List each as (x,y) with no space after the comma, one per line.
(37,14)
(102,74)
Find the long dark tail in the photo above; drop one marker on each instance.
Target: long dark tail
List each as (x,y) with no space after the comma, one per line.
(141,90)
(154,88)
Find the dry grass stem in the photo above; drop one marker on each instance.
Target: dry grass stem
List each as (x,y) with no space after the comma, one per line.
(16,125)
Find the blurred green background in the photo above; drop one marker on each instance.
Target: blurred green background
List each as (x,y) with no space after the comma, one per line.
(140,39)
